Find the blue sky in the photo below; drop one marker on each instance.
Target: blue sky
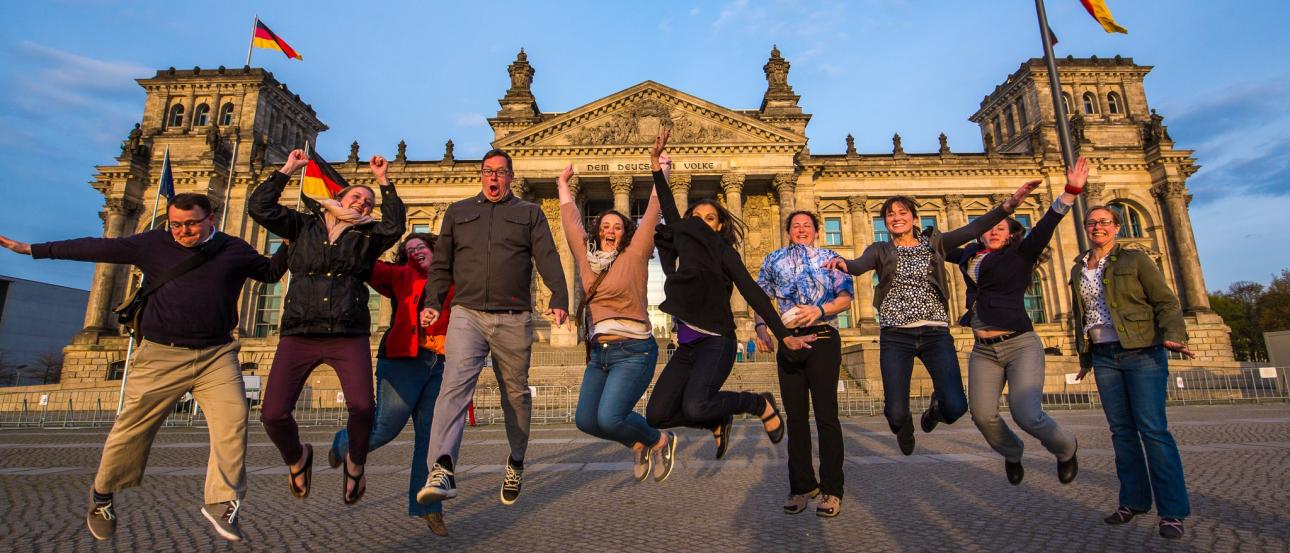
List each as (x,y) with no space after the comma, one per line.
(426,73)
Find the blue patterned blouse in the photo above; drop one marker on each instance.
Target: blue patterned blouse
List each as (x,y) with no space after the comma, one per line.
(793,275)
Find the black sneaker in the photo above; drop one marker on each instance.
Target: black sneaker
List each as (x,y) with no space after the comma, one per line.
(1068,469)
(1014,471)
(1121,515)
(440,485)
(931,417)
(905,438)
(224,520)
(665,458)
(1171,528)
(101,521)
(511,483)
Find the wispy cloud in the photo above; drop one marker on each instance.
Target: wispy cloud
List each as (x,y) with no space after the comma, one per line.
(469,120)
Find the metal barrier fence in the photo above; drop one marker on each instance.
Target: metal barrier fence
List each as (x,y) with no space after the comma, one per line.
(554,404)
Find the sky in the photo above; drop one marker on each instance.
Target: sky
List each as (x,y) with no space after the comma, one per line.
(428,72)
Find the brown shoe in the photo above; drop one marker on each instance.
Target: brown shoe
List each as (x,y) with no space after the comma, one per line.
(829,506)
(435,522)
(797,503)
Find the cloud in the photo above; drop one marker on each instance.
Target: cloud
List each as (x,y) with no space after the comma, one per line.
(694,12)
(469,120)
(73,80)
(1237,237)
(729,13)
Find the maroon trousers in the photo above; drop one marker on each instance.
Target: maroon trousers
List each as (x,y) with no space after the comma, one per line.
(297,357)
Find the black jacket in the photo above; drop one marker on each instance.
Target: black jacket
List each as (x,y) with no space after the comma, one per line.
(999,296)
(488,250)
(883,257)
(702,270)
(327,294)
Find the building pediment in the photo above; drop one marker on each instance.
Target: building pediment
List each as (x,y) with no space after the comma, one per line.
(633,117)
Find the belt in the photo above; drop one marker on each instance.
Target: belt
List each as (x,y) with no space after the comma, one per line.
(504,311)
(821,331)
(1000,338)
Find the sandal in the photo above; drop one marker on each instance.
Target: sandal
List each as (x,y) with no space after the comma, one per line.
(723,438)
(308,472)
(360,485)
(777,434)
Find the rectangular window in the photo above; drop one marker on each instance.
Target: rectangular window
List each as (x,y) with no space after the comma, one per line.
(374,308)
(421,227)
(1012,126)
(880,230)
(1024,220)
(926,222)
(844,319)
(998,132)
(268,303)
(1021,113)
(832,231)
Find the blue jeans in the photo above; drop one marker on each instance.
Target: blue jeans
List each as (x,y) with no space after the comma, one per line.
(897,348)
(616,378)
(405,388)
(1132,384)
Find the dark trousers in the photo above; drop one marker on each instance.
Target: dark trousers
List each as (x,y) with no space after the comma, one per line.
(688,391)
(805,378)
(296,358)
(933,345)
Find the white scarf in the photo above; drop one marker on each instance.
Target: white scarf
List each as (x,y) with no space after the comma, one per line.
(339,218)
(601,259)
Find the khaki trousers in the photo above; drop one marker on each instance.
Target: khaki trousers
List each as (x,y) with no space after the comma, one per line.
(159,376)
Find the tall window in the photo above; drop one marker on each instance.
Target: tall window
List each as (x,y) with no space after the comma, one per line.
(832,231)
(844,319)
(1034,300)
(268,299)
(1113,103)
(880,230)
(998,131)
(202,115)
(374,307)
(226,115)
(1021,112)
(1012,125)
(1090,103)
(1132,227)
(1066,104)
(176,118)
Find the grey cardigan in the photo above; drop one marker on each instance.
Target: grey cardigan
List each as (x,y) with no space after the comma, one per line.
(882,255)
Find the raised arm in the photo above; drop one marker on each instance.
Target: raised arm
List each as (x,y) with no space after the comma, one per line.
(263,204)
(570,218)
(393,212)
(99,250)
(968,232)
(643,240)
(1035,242)
(671,214)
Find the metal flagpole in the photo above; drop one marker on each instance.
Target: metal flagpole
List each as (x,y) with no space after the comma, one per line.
(129,349)
(1063,123)
(251,46)
(286,287)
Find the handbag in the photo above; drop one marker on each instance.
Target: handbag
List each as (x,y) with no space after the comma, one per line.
(130,313)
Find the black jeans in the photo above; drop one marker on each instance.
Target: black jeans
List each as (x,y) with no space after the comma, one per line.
(688,391)
(897,348)
(805,378)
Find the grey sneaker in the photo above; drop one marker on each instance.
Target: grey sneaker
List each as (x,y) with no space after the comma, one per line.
(223,517)
(440,485)
(435,522)
(644,463)
(101,521)
(829,506)
(511,483)
(666,458)
(797,503)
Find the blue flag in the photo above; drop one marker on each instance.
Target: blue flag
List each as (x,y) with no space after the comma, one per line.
(166,184)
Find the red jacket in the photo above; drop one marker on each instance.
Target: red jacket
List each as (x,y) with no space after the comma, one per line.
(403,284)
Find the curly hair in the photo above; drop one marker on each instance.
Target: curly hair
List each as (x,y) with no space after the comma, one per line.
(629,229)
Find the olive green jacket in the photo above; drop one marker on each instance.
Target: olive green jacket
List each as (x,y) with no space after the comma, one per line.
(1143,308)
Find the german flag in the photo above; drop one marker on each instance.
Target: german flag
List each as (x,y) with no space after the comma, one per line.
(321,180)
(265,38)
(1099,11)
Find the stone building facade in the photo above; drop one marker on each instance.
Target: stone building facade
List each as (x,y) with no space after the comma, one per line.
(227,128)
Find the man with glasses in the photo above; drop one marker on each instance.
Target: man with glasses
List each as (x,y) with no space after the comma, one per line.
(187,347)
(487,248)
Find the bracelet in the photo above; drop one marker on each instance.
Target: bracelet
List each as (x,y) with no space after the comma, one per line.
(1073,191)
(761,324)
(822,313)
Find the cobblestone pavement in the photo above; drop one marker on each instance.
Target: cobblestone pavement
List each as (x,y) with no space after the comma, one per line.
(579,496)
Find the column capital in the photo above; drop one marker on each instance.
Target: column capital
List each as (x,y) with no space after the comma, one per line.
(1093,193)
(1169,190)
(733,182)
(575,186)
(954,202)
(785,183)
(856,203)
(680,181)
(620,184)
(120,206)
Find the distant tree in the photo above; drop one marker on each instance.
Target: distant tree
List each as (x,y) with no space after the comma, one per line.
(1247,340)
(1274,305)
(50,366)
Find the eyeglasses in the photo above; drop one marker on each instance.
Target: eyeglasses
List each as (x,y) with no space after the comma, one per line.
(176,225)
(1094,223)
(500,173)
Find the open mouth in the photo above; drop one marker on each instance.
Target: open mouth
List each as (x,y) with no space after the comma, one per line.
(494,190)
(419,258)
(611,241)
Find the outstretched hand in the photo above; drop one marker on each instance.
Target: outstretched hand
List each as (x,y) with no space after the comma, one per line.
(1077,176)
(379,166)
(295,160)
(565,175)
(1020,195)
(660,142)
(15,246)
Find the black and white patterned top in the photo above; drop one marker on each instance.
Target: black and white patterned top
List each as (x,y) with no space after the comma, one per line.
(1096,312)
(912,300)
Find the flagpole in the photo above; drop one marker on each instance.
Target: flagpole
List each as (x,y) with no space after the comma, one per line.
(129,349)
(251,46)
(1063,127)
(286,287)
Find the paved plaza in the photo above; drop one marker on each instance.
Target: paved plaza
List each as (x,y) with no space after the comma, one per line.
(578,495)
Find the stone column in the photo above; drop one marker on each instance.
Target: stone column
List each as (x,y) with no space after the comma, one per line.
(733,185)
(862,235)
(680,183)
(955,218)
(98,308)
(621,185)
(1173,195)
(568,334)
(786,186)
(190,106)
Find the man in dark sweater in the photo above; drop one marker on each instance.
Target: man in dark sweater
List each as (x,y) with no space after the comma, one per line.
(487,248)
(187,346)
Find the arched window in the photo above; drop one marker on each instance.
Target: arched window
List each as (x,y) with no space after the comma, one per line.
(268,300)
(1066,103)
(1034,299)
(1090,103)
(176,118)
(202,115)
(1113,104)
(1132,227)
(226,115)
